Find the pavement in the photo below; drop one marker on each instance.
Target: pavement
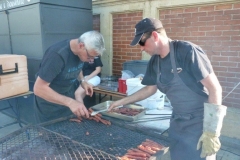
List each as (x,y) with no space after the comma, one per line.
(230,149)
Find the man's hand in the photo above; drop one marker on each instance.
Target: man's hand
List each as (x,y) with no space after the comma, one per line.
(209,143)
(115,104)
(88,88)
(212,125)
(78,108)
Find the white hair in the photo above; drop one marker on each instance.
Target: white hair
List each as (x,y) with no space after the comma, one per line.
(93,40)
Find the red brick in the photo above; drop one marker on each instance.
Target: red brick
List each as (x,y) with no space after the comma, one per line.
(233,69)
(223,17)
(206,8)
(191,28)
(185,15)
(197,14)
(176,11)
(199,24)
(192,9)
(223,6)
(200,34)
(220,48)
(214,23)
(236,27)
(136,49)
(217,58)
(228,64)
(236,16)
(164,12)
(238,76)
(235,38)
(206,28)
(182,34)
(234,80)
(214,33)
(165,21)
(171,16)
(237,5)
(215,13)
(222,69)
(176,20)
(226,74)
(232,22)
(234,59)
(225,27)
(237,49)
(231,33)
(193,19)
(221,38)
(208,18)
(234,11)
(228,53)
(161,17)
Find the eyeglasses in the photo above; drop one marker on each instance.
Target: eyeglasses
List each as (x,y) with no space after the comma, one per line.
(89,56)
(142,42)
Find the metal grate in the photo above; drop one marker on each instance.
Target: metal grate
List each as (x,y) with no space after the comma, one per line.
(37,143)
(113,139)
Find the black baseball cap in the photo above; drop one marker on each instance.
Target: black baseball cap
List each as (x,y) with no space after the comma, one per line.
(145,25)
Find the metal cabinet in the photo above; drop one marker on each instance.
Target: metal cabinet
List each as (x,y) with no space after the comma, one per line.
(29,27)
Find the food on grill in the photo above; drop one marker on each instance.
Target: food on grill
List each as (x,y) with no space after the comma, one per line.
(143,151)
(146,149)
(75,120)
(127,111)
(97,118)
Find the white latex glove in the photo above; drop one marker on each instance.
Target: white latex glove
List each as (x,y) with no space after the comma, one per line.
(212,124)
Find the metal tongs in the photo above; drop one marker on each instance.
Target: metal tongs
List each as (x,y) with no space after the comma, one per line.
(103,110)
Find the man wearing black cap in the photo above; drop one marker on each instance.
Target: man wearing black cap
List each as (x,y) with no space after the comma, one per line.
(182,71)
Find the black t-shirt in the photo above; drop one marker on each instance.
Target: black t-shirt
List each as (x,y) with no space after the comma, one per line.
(89,67)
(190,57)
(60,66)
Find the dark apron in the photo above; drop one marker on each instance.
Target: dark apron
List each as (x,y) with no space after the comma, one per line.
(186,124)
(46,111)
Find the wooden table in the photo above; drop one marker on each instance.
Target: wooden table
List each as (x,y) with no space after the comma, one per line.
(107,93)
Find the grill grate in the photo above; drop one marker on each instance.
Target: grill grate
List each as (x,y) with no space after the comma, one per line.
(111,139)
(37,143)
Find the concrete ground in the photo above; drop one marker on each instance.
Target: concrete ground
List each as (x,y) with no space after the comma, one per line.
(230,149)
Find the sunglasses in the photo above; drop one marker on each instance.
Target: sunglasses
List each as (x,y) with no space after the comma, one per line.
(142,42)
(91,57)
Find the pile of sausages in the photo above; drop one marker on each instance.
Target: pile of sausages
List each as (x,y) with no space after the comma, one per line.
(127,111)
(97,118)
(143,151)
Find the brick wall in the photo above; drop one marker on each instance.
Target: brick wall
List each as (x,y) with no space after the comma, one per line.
(96,22)
(123,33)
(216,28)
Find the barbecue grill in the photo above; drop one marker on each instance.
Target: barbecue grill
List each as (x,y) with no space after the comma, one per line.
(63,139)
(34,142)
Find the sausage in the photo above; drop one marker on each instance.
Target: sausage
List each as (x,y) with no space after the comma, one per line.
(154,143)
(152,146)
(141,147)
(133,153)
(140,151)
(135,157)
(75,120)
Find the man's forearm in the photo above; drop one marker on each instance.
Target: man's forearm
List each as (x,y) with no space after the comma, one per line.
(50,95)
(140,95)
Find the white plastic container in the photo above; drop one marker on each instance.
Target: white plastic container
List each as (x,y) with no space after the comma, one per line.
(156,101)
